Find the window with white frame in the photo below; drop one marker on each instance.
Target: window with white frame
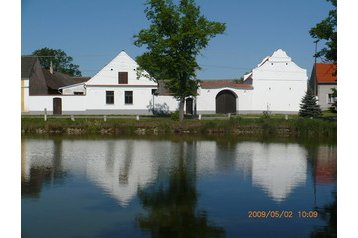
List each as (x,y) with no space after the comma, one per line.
(128,97)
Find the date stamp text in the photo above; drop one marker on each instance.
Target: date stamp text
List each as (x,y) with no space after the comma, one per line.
(282,214)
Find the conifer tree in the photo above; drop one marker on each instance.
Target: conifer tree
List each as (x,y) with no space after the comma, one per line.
(309,106)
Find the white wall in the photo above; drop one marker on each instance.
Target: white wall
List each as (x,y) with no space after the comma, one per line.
(37,104)
(323,95)
(206,99)
(279,84)
(169,101)
(72,89)
(25,91)
(96,99)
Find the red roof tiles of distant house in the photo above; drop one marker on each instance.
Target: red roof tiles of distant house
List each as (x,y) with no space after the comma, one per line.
(223,84)
(326,73)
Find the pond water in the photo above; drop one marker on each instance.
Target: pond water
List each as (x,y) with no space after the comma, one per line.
(177,188)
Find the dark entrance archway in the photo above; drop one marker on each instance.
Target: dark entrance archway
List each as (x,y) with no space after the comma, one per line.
(226,102)
(57,106)
(189,106)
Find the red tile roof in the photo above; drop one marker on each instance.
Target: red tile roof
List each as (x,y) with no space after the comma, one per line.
(326,73)
(224,84)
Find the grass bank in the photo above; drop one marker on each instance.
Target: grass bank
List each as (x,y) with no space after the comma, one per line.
(235,126)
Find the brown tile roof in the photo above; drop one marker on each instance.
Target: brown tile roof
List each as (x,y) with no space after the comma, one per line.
(223,84)
(81,79)
(27,65)
(57,80)
(31,70)
(326,73)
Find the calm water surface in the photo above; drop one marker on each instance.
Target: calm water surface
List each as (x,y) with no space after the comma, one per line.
(175,188)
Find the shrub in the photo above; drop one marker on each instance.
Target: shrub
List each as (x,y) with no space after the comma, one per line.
(158,109)
(174,115)
(266,115)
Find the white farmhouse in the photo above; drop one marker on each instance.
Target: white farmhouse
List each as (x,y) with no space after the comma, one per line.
(279,84)
(116,89)
(276,85)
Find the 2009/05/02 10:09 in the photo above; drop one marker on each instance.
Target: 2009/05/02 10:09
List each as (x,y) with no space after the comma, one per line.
(282,214)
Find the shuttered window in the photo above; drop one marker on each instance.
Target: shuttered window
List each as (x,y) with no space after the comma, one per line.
(128,97)
(122,77)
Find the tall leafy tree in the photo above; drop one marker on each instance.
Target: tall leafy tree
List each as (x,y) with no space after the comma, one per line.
(309,106)
(61,62)
(176,35)
(327,30)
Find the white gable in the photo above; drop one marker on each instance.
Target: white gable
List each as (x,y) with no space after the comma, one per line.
(279,66)
(279,56)
(108,75)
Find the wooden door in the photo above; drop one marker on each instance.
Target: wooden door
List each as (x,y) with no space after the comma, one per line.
(226,102)
(57,106)
(189,106)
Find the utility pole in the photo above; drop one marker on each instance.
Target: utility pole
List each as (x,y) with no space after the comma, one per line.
(315,71)
(315,52)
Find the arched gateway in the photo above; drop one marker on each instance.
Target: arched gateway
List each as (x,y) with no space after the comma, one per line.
(226,102)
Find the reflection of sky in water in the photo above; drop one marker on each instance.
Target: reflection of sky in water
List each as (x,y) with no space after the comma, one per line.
(120,167)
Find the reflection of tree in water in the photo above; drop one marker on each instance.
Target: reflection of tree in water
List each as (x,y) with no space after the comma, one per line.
(172,209)
(329,214)
(40,174)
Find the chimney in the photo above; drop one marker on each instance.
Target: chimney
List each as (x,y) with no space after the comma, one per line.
(51,68)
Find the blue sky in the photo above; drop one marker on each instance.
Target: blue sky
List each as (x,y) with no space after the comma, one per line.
(93,32)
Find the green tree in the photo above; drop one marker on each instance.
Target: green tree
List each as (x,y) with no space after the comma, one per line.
(172,209)
(309,106)
(333,108)
(61,62)
(327,30)
(176,35)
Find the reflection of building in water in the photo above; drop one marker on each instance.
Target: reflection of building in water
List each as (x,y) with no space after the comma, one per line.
(119,167)
(326,164)
(40,163)
(122,169)
(276,168)
(279,168)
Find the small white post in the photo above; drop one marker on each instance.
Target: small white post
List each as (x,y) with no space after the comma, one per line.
(104,118)
(199,116)
(45,114)
(228,115)
(286,117)
(72,118)
(137,117)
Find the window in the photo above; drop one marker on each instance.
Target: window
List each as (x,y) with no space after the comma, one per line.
(78,93)
(128,97)
(331,98)
(109,97)
(122,77)
(154,92)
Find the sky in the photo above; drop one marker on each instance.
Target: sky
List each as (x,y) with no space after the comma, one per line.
(93,32)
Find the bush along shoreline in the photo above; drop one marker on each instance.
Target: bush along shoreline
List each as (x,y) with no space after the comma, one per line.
(296,127)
